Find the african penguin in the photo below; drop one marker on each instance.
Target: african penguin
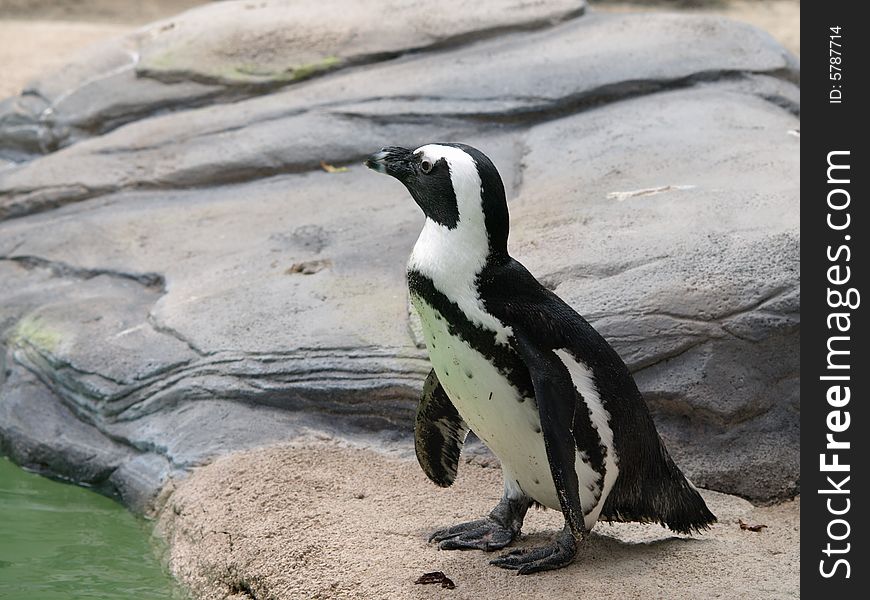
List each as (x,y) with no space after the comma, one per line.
(519,367)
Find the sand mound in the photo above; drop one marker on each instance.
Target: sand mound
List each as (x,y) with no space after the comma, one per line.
(331,521)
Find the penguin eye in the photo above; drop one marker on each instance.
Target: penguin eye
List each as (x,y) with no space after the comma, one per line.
(425,166)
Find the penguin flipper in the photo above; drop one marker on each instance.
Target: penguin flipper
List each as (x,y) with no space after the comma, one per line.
(439,433)
(557,404)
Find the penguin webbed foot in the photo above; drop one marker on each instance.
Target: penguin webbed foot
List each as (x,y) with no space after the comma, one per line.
(483,534)
(543,558)
(493,532)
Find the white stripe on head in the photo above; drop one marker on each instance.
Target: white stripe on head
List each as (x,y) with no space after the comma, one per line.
(453,258)
(465,179)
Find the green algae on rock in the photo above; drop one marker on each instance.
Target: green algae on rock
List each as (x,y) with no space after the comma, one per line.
(34,331)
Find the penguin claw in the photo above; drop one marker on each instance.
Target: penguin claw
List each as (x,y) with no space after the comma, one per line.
(544,558)
(510,554)
(483,534)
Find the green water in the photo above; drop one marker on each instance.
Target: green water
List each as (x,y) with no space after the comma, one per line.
(62,542)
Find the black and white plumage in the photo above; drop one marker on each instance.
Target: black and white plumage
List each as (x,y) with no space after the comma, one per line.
(519,367)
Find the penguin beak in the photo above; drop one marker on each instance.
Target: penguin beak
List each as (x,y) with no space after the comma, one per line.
(392,160)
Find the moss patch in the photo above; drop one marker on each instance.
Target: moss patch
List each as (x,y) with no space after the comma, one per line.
(172,66)
(264,72)
(326,63)
(35,332)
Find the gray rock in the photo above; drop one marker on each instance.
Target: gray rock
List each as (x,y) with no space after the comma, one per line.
(95,93)
(276,41)
(194,283)
(37,430)
(224,51)
(338,119)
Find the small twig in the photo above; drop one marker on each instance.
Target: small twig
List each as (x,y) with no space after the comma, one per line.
(747,527)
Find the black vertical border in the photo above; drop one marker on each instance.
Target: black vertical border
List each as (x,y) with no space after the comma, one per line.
(827,127)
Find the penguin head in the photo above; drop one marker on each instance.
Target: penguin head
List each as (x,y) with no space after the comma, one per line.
(457,187)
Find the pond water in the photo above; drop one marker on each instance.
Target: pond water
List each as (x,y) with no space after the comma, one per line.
(62,542)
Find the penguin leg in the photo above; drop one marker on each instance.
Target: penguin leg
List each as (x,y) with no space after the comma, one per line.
(494,532)
(544,558)
(558,407)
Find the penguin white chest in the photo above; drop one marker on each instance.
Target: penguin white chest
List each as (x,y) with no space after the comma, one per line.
(492,407)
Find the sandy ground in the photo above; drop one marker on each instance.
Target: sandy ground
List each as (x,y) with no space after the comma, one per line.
(38,36)
(327,520)
(30,48)
(104,11)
